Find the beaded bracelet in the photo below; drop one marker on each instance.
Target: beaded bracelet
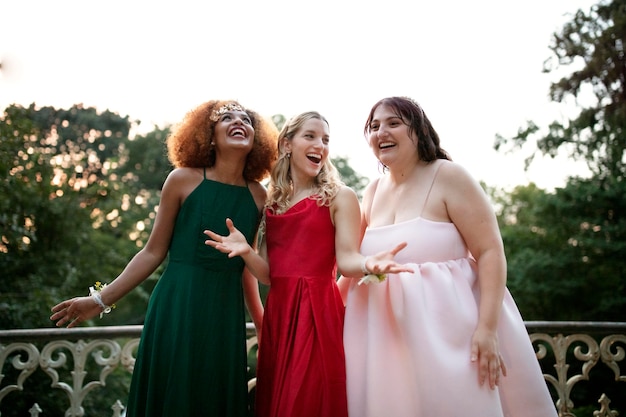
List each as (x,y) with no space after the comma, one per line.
(95,294)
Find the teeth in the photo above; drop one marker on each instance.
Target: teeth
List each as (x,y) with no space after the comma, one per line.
(385,144)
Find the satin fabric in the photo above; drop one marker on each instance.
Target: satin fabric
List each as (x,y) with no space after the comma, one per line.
(301,366)
(407,339)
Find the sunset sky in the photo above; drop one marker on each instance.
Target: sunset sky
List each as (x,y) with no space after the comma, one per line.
(475,67)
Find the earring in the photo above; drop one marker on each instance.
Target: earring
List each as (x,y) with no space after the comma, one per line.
(288,155)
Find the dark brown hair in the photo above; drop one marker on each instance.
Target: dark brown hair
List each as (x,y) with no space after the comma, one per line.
(428,147)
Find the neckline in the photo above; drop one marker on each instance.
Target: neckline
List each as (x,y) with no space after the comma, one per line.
(226,184)
(309,198)
(404,222)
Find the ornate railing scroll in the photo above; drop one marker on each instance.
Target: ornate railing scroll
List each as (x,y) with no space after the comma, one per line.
(576,357)
(588,345)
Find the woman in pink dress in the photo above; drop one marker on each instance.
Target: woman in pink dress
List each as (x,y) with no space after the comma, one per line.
(447,339)
(311,220)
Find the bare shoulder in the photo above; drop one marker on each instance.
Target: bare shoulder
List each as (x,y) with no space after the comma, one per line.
(369,191)
(180,182)
(345,205)
(346,193)
(452,173)
(181,175)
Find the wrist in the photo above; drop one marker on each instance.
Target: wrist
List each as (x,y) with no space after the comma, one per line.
(95,294)
(364,269)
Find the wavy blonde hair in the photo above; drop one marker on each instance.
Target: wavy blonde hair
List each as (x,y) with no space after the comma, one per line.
(327,182)
(189,144)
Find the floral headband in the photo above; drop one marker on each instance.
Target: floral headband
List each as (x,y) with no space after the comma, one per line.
(225,108)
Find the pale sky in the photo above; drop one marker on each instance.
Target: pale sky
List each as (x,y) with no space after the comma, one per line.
(475,67)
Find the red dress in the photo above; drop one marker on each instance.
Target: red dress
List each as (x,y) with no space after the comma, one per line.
(301,368)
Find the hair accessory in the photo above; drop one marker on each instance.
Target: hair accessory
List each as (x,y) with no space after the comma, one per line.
(225,108)
(95,294)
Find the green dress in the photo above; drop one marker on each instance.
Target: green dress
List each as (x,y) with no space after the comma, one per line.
(191,359)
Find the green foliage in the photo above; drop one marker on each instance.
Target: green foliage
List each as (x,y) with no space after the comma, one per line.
(68,214)
(349,176)
(64,193)
(593,45)
(564,250)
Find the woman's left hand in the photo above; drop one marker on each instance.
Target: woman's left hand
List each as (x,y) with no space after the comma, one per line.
(384,262)
(486,353)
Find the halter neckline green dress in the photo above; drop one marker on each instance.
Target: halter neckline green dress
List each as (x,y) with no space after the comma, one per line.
(191,359)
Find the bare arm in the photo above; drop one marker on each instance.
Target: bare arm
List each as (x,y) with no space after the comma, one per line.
(471,212)
(346,218)
(73,311)
(252,298)
(344,282)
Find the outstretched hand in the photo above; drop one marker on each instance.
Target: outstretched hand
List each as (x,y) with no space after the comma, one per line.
(72,312)
(235,244)
(384,262)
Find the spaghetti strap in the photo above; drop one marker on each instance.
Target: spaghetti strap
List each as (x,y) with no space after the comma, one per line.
(204,172)
(369,207)
(430,188)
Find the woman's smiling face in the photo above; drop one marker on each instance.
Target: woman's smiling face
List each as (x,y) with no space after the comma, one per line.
(389,136)
(309,147)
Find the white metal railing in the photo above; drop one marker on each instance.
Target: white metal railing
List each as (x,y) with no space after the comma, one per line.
(568,352)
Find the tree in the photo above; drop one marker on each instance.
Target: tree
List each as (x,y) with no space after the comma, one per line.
(594,44)
(566,249)
(61,205)
(561,266)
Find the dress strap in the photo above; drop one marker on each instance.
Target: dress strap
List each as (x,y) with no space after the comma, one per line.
(431,187)
(369,207)
(204,172)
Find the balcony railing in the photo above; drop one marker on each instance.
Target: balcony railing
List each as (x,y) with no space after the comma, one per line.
(580,360)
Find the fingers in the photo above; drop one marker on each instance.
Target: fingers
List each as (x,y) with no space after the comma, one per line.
(397,268)
(489,370)
(502,366)
(230,225)
(213,235)
(398,248)
(58,307)
(65,313)
(494,373)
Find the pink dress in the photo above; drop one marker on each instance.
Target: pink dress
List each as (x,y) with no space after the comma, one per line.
(407,339)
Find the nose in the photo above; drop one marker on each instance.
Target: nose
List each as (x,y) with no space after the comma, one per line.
(382,131)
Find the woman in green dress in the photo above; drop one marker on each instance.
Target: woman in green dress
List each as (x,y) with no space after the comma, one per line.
(191,358)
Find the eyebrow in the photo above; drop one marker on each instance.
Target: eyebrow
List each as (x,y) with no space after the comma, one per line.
(233,112)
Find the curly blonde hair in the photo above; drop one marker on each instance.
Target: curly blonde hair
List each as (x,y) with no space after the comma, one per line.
(189,144)
(327,182)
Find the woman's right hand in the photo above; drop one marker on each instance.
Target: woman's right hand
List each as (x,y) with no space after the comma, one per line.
(72,312)
(234,244)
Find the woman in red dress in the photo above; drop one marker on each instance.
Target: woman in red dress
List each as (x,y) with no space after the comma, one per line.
(312,223)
